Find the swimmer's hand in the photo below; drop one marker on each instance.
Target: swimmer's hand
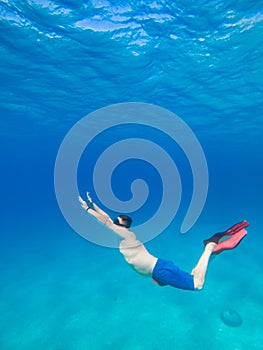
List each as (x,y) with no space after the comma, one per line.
(83,203)
(90,201)
(89,198)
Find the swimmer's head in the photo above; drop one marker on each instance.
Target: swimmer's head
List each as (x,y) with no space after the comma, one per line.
(123,220)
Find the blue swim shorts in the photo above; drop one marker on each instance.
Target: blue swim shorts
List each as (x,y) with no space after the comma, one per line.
(166,273)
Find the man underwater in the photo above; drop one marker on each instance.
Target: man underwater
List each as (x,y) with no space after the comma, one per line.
(164,272)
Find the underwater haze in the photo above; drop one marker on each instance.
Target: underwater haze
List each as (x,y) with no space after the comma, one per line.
(63,60)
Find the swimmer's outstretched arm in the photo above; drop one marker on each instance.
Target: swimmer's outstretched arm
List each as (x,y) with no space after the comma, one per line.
(105,219)
(94,210)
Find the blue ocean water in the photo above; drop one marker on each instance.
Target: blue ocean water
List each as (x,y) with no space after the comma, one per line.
(60,61)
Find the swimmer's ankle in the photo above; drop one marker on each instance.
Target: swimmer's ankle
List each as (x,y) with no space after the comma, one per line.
(210,246)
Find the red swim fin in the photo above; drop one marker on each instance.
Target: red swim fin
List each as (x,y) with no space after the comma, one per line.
(237,227)
(231,242)
(231,231)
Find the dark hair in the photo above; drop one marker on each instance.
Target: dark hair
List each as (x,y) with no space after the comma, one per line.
(126,219)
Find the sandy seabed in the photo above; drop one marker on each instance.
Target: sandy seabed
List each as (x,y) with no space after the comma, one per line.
(82,296)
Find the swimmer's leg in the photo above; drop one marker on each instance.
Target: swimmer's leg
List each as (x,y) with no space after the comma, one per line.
(199,271)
